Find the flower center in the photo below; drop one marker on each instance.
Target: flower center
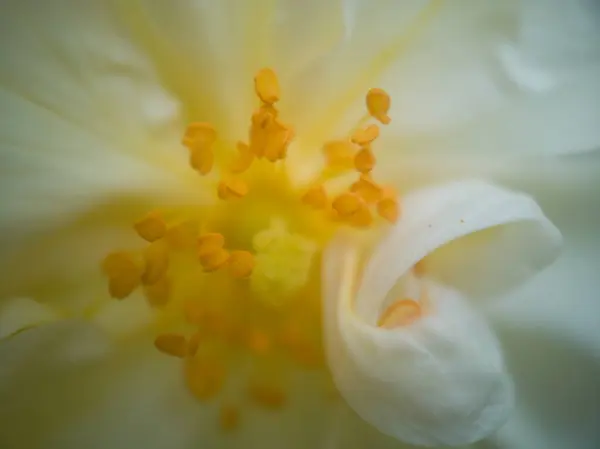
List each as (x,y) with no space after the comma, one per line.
(235,283)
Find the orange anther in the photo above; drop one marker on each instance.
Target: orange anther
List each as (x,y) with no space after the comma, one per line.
(258,342)
(368,189)
(124,272)
(279,136)
(266,86)
(339,154)
(158,294)
(229,418)
(202,160)
(241,264)
(194,344)
(347,204)
(268,396)
(182,235)
(232,188)
(315,197)
(210,243)
(378,104)
(204,377)
(365,136)
(243,160)
(389,209)
(400,313)
(152,227)
(364,161)
(362,218)
(156,257)
(199,135)
(172,344)
(214,260)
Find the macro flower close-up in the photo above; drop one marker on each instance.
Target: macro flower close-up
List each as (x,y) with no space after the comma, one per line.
(299,224)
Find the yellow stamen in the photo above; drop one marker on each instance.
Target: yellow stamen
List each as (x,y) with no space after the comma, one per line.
(214,260)
(124,272)
(365,136)
(202,160)
(315,197)
(241,264)
(229,418)
(232,188)
(152,227)
(266,86)
(378,104)
(401,313)
(158,293)
(210,243)
(199,136)
(347,204)
(364,161)
(368,189)
(389,209)
(156,257)
(243,160)
(278,138)
(362,218)
(171,344)
(182,235)
(339,154)
(204,377)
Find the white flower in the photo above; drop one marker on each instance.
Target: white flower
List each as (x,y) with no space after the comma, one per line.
(487,99)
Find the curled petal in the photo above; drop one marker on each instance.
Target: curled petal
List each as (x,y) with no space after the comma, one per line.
(439,380)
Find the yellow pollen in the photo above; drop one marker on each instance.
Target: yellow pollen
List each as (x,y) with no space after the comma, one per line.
(210,243)
(339,154)
(362,218)
(244,159)
(347,204)
(401,313)
(389,209)
(266,86)
(378,105)
(124,273)
(171,344)
(241,264)
(151,228)
(364,161)
(229,418)
(214,260)
(200,136)
(315,197)
(367,189)
(232,188)
(365,136)
(202,160)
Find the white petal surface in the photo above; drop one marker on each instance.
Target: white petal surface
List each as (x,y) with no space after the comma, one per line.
(408,382)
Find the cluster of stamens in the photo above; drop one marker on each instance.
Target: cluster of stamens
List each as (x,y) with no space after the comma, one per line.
(170,243)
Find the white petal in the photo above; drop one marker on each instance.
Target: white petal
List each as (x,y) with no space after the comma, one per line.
(85,117)
(17,314)
(440,381)
(521,241)
(408,382)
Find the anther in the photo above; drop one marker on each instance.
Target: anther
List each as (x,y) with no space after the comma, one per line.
(202,160)
(346,204)
(364,161)
(266,86)
(156,257)
(152,227)
(124,272)
(389,209)
(232,188)
(171,344)
(182,235)
(315,197)
(278,137)
(215,260)
(199,135)
(204,377)
(378,104)
(401,313)
(210,243)
(243,160)
(365,136)
(339,154)
(368,189)
(362,218)
(158,294)
(241,264)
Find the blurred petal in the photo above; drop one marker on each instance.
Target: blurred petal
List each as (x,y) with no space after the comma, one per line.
(439,381)
(518,242)
(17,314)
